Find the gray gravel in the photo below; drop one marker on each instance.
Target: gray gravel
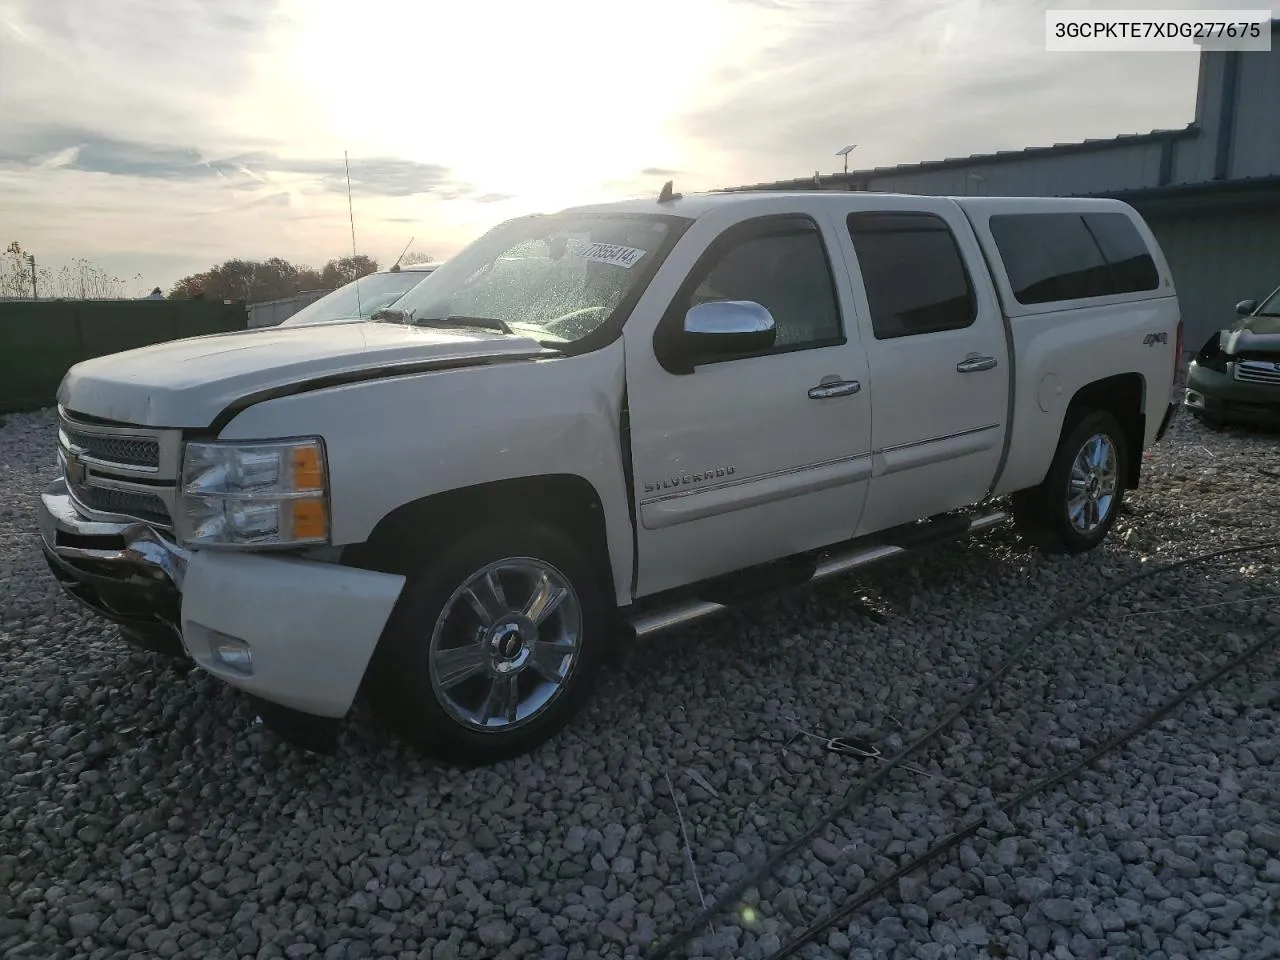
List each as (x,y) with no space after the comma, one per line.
(144,812)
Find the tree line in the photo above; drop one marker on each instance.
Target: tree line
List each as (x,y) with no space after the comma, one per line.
(275,278)
(237,279)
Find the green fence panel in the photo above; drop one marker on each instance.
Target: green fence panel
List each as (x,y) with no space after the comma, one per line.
(36,348)
(40,340)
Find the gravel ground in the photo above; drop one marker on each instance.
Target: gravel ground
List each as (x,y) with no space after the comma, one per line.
(144,812)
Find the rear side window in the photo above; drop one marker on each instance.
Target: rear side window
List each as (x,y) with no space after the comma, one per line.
(1132,268)
(914,274)
(1069,256)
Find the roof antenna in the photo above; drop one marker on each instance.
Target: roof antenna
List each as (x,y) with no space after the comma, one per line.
(395,267)
(352,217)
(667,195)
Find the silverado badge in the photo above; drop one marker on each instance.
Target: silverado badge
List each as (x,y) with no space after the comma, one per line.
(684,479)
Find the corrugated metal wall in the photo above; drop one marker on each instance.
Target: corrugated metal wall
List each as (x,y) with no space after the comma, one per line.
(1218,259)
(1255,150)
(1113,168)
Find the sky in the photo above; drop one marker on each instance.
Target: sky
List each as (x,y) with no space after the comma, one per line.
(159,137)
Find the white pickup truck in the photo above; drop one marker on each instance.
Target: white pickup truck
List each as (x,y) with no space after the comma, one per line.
(623,416)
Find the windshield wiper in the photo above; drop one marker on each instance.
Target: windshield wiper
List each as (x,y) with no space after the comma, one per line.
(485,323)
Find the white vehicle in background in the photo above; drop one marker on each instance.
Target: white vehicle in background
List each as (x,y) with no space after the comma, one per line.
(618,417)
(362,298)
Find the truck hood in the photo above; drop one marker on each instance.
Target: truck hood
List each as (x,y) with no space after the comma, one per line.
(188,383)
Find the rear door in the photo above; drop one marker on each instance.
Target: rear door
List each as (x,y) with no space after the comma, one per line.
(938,352)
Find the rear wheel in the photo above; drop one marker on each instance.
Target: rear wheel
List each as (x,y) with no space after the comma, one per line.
(494,647)
(1074,508)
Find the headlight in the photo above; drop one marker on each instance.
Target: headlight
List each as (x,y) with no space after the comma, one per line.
(254,494)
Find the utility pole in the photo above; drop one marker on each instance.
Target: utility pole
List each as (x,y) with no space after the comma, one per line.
(31,260)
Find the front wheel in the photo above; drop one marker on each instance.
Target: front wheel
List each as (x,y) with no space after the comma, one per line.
(494,646)
(1074,508)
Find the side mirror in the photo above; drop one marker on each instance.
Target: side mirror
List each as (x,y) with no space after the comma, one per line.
(1246,307)
(724,328)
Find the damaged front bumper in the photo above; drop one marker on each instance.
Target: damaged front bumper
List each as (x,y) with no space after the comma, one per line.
(297,634)
(125,572)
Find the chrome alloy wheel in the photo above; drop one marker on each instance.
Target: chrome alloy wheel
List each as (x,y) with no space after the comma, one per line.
(505,644)
(1091,490)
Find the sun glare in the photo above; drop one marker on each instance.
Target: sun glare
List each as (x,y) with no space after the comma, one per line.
(546,102)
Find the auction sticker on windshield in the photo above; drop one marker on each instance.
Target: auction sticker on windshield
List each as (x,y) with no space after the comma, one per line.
(612,253)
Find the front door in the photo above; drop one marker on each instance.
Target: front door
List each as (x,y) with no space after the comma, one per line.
(751,458)
(938,351)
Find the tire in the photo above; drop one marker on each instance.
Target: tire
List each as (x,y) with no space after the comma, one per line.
(438,635)
(1045,513)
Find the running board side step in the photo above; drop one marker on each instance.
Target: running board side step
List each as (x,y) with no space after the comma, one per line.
(688,611)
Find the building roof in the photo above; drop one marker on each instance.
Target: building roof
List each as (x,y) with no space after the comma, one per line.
(1173,190)
(982,159)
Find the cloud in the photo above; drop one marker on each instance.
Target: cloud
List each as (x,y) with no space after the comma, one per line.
(150,65)
(658,172)
(89,152)
(497,197)
(377,176)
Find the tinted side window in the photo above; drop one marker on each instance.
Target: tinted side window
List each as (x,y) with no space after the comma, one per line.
(914,274)
(1132,268)
(781,265)
(1050,256)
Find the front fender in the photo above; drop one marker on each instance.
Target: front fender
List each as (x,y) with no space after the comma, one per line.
(393,441)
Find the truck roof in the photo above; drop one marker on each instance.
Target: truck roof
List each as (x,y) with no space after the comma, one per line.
(694,205)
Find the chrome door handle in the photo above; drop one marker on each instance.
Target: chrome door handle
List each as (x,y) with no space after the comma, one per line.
(834,388)
(975,364)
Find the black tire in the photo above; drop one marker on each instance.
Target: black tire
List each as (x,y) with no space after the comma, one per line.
(402,675)
(1042,513)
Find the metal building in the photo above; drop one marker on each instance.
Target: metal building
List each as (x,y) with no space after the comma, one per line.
(1210,191)
(269,313)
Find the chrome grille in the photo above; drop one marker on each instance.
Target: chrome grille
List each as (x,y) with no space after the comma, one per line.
(120,471)
(126,503)
(1258,371)
(131,451)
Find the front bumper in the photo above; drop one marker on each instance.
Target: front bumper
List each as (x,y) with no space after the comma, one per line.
(309,628)
(125,572)
(1219,396)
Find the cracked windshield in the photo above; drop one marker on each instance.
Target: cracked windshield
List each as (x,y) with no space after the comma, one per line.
(555,279)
